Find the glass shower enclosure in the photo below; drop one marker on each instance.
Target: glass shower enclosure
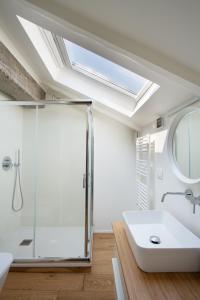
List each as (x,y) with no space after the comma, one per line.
(46,182)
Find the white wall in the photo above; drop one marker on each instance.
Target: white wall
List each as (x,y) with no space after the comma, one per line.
(177,205)
(114,171)
(11,140)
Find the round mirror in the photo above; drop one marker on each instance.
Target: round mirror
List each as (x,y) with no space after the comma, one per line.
(184,143)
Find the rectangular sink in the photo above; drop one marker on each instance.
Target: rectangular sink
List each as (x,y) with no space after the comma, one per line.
(160,243)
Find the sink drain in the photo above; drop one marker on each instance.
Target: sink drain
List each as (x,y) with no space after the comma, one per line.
(154,239)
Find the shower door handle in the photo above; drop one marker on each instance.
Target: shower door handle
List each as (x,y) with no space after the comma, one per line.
(84,181)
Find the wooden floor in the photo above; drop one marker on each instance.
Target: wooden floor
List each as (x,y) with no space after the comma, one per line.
(98,284)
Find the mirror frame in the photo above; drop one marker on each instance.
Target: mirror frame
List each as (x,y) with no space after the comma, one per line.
(171,133)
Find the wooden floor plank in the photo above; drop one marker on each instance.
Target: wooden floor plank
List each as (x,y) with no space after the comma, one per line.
(86,295)
(102,269)
(28,295)
(102,262)
(101,256)
(104,242)
(98,282)
(44,281)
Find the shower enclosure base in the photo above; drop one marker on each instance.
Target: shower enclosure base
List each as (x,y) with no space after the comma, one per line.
(51,266)
(53,247)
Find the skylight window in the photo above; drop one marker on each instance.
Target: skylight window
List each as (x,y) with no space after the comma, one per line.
(106,71)
(60,56)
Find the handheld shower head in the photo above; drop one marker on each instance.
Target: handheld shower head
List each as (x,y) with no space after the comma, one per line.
(17,177)
(17,158)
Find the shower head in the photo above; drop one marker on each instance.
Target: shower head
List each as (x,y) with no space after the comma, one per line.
(17,158)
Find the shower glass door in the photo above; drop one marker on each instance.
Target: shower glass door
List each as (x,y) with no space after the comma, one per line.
(47,190)
(61,182)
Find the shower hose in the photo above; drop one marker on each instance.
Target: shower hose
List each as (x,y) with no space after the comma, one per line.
(17,176)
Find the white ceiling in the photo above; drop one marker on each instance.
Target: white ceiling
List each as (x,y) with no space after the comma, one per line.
(170,27)
(168,31)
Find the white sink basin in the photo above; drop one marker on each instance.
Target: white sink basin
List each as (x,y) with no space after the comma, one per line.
(178,250)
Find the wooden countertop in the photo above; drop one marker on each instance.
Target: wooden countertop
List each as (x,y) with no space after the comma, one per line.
(152,286)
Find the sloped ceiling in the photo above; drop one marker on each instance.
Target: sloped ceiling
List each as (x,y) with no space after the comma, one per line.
(161,36)
(166,31)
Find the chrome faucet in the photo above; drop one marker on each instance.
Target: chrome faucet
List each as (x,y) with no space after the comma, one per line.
(188,195)
(170,193)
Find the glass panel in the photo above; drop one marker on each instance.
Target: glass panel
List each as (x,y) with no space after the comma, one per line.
(60,206)
(17,133)
(104,68)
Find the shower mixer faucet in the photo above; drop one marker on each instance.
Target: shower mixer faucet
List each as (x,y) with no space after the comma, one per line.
(188,195)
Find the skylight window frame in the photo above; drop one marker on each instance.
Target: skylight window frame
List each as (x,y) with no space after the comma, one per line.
(65,56)
(50,40)
(58,63)
(110,83)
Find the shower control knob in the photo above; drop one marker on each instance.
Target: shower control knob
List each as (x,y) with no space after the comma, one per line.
(7,163)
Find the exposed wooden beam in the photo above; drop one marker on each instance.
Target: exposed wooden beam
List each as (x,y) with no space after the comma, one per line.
(15,81)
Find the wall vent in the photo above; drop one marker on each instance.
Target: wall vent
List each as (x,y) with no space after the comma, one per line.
(159,122)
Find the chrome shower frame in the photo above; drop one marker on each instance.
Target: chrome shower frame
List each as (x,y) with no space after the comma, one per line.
(88,239)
